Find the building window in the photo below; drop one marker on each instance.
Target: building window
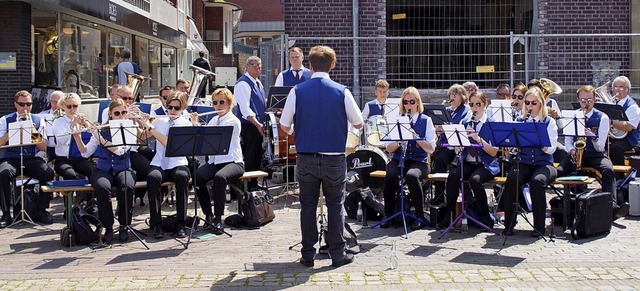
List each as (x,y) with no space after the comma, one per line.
(181,15)
(142,4)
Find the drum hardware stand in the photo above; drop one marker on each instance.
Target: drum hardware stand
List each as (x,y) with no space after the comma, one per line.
(289,187)
(322,220)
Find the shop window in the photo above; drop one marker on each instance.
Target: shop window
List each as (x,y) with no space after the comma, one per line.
(81,61)
(168,62)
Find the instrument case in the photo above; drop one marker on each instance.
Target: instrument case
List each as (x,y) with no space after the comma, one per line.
(594,214)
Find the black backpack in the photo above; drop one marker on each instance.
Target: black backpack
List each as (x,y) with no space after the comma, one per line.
(85,228)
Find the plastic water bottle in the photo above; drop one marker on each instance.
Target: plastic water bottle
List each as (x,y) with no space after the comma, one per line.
(464,228)
(359,212)
(228,195)
(393,259)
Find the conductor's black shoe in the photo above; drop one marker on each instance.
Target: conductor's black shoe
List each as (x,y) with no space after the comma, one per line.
(157,232)
(5,220)
(306,263)
(347,259)
(417,225)
(181,233)
(385,224)
(623,210)
(537,233)
(123,234)
(108,236)
(218,229)
(44,217)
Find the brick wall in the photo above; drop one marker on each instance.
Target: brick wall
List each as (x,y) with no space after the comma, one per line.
(15,30)
(569,59)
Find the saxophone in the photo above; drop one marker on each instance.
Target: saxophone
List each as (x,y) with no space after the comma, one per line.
(580,144)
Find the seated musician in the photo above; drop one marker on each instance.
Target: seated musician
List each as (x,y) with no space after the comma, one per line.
(415,154)
(618,144)
(33,166)
(164,96)
(518,99)
(594,152)
(55,112)
(222,169)
(163,168)
(535,168)
(443,157)
(113,169)
(70,163)
(376,107)
(480,165)
(554,112)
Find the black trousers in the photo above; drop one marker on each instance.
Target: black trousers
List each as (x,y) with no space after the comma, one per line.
(603,165)
(442,161)
(251,143)
(70,169)
(222,175)
(617,147)
(124,181)
(538,178)
(179,175)
(141,165)
(33,167)
(477,175)
(414,173)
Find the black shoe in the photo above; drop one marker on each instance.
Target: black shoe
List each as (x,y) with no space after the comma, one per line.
(417,225)
(508,229)
(537,233)
(141,200)
(181,233)
(385,224)
(208,221)
(157,232)
(347,259)
(623,210)
(108,236)
(43,217)
(5,220)
(123,234)
(218,229)
(306,263)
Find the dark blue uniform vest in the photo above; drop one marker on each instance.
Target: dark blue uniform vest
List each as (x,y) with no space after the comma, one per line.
(160,111)
(535,156)
(634,136)
(108,161)
(413,151)
(320,106)
(289,78)
(256,101)
(74,152)
(28,151)
(593,123)
(374,109)
(490,163)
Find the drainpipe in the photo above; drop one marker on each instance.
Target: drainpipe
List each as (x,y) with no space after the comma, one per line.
(356,53)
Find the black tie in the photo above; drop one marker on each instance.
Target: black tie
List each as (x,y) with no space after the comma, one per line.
(297,73)
(382,109)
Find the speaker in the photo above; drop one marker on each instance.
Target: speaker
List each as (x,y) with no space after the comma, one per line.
(634,198)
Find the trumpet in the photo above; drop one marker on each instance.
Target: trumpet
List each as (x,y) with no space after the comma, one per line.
(36,136)
(84,129)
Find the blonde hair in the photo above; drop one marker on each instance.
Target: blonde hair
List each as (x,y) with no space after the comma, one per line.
(178,96)
(458,89)
(413,91)
(69,96)
(226,93)
(536,92)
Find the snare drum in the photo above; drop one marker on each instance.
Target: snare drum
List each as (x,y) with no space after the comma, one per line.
(365,160)
(353,137)
(375,129)
(278,141)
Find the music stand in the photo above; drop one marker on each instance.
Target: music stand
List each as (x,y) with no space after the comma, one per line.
(501,110)
(124,133)
(18,132)
(189,141)
(401,131)
(457,137)
(614,111)
(518,135)
(277,96)
(438,114)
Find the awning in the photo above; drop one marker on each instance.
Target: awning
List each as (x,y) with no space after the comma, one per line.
(195,40)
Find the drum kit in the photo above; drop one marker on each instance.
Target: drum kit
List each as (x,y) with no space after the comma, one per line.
(367,157)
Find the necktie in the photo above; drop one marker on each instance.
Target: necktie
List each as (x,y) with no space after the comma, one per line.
(297,73)
(382,109)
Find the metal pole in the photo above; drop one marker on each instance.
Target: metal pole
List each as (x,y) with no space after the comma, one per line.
(356,53)
(511,62)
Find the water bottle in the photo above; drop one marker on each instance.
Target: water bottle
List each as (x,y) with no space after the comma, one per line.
(228,196)
(394,256)
(359,212)
(464,228)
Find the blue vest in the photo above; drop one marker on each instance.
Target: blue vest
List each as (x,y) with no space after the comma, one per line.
(320,117)
(374,109)
(415,152)
(256,101)
(74,152)
(160,111)
(108,160)
(634,136)
(490,163)
(549,102)
(289,78)
(535,156)
(28,151)
(593,123)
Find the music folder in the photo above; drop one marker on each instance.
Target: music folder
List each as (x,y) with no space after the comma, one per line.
(277,96)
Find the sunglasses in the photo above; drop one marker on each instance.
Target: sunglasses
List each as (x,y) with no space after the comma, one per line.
(72,106)
(127,98)
(117,113)
(412,102)
(165,97)
(215,102)
(586,100)
(23,104)
(176,108)
(534,103)
(477,104)
(519,97)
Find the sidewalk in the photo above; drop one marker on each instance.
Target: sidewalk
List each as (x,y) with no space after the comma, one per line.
(32,258)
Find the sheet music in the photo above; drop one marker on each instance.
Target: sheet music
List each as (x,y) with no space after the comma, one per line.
(399,128)
(456,135)
(501,110)
(20,132)
(392,107)
(123,126)
(574,122)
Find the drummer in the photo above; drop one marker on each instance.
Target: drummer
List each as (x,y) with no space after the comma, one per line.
(376,107)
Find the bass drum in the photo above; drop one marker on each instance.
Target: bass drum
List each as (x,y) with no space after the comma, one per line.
(278,141)
(363,161)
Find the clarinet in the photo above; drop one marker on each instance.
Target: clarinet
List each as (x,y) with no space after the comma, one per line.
(528,115)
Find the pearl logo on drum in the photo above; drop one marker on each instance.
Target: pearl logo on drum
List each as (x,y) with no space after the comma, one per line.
(359,165)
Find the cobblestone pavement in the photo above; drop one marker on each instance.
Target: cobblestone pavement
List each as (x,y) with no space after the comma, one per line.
(32,258)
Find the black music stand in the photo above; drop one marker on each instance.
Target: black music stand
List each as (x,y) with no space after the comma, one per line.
(402,132)
(191,141)
(438,114)
(614,111)
(457,138)
(24,134)
(518,135)
(125,134)
(277,96)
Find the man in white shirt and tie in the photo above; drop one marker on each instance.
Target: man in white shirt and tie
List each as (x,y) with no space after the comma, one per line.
(297,73)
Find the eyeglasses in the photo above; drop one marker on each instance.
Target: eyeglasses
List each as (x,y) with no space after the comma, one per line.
(117,113)
(23,104)
(534,103)
(412,102)
(503,94)
(586,100)
(477,104)
(215,102)
(176,108)
(72,106)
(256,65)
(125,98)
(164,97)
(519,97)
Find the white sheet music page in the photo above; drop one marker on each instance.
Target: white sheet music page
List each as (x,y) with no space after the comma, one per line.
(574,122)
(48,118)
(392,107)
(501,110)
(399,128)
(456,135)
(120,126)
(20,132)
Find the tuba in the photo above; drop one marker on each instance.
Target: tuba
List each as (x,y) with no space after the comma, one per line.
(549,88)
(603,95)
(199,74)
(134,81)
